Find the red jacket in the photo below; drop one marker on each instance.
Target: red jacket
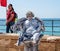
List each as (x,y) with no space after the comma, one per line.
(9,16)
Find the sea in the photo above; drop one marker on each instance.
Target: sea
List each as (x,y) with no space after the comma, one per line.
(52,26)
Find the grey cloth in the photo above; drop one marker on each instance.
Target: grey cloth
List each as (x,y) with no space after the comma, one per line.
(16,27)
(20,22)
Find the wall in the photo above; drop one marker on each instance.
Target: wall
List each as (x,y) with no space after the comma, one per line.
(7,42)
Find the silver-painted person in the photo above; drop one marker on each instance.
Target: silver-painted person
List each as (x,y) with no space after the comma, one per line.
(30,27)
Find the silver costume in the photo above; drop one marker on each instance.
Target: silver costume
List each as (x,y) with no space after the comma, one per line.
(33,27)
(29,27)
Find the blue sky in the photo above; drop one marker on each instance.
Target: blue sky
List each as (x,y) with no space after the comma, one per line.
(41,8)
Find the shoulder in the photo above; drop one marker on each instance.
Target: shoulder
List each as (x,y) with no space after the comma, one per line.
(22,19)
(39,20)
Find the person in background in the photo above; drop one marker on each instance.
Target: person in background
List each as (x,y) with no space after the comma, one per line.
(10,20)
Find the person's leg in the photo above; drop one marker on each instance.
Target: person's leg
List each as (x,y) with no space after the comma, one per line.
(7,28)
(20,41)
(35,37)
(35,43)
(11,23)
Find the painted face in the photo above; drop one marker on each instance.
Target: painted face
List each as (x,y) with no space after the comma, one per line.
(29,16)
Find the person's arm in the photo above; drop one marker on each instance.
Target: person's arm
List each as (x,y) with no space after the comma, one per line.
(40,27)
(17,25)
(8,14)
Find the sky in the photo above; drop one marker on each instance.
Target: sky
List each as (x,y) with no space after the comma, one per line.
(41,8)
